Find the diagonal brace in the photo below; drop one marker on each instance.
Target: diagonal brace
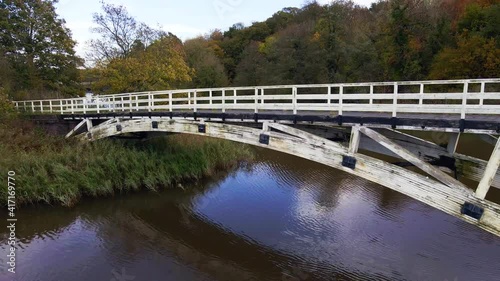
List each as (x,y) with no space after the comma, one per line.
(489,172)
(308,137)
(415,160)
(77,127)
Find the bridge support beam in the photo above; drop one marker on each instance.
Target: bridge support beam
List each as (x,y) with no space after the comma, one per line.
(415,160)
(488,139)
(89,124)
(489,173)
(77,127)
(463,165)
(453,143)
(308,146)
(355,139)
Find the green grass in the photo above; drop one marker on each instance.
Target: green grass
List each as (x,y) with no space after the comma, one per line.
(56,171)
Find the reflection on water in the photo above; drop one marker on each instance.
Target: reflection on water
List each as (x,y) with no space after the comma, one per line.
(281,218)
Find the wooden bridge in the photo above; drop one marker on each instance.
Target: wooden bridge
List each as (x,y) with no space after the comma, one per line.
(330,124)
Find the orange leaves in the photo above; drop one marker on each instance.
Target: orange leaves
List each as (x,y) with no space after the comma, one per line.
(475,57)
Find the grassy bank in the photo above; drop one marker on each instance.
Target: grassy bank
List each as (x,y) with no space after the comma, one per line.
(56,171)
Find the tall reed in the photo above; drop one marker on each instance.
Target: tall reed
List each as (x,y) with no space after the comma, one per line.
(56,171)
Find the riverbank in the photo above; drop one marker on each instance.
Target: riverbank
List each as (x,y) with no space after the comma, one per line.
(52,170)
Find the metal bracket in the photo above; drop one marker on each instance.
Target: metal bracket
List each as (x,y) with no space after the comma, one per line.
(264,139)
(394,122)
(202,128)
(462,125)
(154,124)
(349,162)
(472,211)
(119,128)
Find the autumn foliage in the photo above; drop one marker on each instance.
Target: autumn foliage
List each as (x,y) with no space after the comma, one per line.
(336,42)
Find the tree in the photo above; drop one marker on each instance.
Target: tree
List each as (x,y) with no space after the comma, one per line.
(160,66)
(481,20)
(253,67)
(208,69)
(120,34)
(6,106)
(38,47)
(474,57)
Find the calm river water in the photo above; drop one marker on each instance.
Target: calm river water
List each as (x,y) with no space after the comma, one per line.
(281,218)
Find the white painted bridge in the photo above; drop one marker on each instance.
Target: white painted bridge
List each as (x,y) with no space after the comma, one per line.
(300,120)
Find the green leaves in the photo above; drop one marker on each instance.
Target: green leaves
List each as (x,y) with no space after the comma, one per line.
(208,69)
(39,48)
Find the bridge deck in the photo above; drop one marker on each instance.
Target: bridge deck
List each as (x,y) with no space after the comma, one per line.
(485,124)
(450,104)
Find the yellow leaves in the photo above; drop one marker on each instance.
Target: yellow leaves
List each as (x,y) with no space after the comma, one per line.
(316,37)
(161,66)
(265,47)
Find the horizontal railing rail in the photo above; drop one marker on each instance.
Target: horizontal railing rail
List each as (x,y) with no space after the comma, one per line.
(464,97)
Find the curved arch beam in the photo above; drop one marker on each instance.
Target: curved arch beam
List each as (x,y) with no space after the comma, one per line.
(424,189)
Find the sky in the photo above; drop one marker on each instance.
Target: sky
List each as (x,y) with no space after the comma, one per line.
(186,19)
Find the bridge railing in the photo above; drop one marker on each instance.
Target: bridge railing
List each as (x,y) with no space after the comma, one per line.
(480,96)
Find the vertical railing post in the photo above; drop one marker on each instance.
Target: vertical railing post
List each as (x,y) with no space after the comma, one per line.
(137,103)
(464,100)
(130,103)
(256,100)
(72,107)
(195,109)
(41,106)
(189,98)
(98,104)
(262,97)
(113,99)
(223,101)
(61,106)
(329,96)
(421,99)
(170,102)
(371,94)
(341,100)
(122,103)
(234,95)
(294,100)
(210,97)
(395,100)
(33,106)
(50,105)
(483,91)
(150,102)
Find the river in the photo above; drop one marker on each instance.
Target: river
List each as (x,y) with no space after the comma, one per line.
(279,218)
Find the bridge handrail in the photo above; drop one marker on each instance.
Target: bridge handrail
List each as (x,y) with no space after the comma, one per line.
(317,97)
